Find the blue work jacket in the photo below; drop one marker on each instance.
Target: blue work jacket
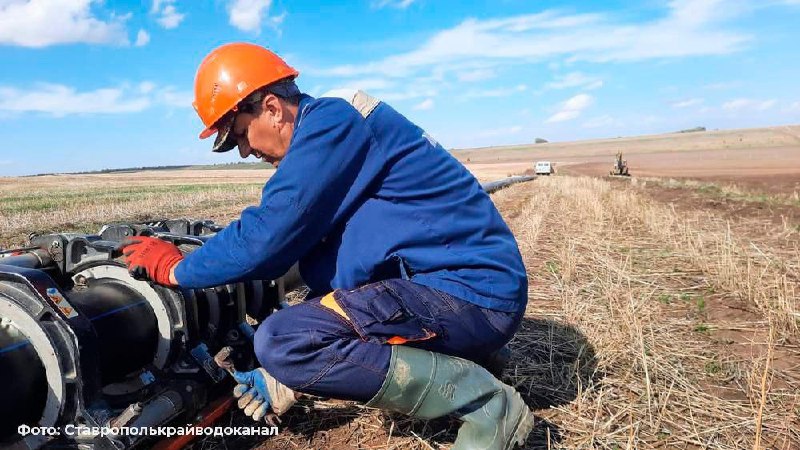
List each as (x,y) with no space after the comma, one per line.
(364,195)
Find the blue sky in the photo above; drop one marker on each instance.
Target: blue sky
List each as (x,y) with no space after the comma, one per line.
(89,84)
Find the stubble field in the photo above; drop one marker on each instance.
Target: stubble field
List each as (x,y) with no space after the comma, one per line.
(653,322)
(82,203)
(663,309)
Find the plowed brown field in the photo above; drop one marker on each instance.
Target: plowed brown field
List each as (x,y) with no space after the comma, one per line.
(765,158)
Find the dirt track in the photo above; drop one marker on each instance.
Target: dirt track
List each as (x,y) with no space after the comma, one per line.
(765,158)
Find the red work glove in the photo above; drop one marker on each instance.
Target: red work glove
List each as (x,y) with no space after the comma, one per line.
(156,257)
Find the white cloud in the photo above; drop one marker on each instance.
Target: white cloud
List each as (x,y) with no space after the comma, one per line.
(59,100)
(572,108)
(689,28)
(575,79)
(41,23)
(167,15)
(400,4)
(146,87)
(740,104)
(367,84)
(424,105)
(172,97)
(142,38)
(476,75)
(500,92)
(248,15)
(796,105)
(411,92)
(687,103)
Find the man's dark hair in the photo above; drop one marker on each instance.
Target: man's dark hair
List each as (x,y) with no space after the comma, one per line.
(286,90)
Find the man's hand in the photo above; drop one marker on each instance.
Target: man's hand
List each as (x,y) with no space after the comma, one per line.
(261,396)
(252,393)
(155,257)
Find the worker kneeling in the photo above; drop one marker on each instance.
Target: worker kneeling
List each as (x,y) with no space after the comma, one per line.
(416,280)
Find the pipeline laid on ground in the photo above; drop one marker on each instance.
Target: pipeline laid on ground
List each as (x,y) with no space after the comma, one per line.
(493,186)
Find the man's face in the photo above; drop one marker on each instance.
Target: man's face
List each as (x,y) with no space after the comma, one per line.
(265,133)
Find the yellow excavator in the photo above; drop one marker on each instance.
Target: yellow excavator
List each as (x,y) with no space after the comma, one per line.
(620,167)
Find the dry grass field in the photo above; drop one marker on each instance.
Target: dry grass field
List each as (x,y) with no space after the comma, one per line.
(649,325)
(664,309)
(81,203)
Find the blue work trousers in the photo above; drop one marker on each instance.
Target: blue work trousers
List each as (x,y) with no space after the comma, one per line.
(313,349)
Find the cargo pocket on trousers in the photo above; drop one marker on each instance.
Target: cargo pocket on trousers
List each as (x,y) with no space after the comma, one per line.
(382,317)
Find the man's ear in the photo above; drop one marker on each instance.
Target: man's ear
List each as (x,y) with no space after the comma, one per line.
(271,105)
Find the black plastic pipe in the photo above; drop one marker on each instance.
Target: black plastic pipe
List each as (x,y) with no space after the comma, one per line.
(23,385)
(32,259)
(126,326)
(493,186)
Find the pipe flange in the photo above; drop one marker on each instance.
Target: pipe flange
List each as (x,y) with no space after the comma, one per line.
(33,325)
(166,322)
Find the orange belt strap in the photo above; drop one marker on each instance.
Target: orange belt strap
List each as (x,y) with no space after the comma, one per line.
(399,340)
(329,302)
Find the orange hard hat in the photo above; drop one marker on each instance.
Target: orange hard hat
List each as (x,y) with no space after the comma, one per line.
(229,74)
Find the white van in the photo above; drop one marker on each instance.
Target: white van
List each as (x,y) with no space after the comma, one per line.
(544,168)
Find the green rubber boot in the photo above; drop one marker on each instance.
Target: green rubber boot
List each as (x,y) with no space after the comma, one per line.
(428,385)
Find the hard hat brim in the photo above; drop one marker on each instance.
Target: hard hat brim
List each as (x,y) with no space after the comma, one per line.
(224,141)
(207,133)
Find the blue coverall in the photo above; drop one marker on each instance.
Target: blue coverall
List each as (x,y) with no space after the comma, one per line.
(377,212)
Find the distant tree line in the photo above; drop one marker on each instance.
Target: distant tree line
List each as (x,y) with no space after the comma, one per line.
(693,130)
(141,168)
